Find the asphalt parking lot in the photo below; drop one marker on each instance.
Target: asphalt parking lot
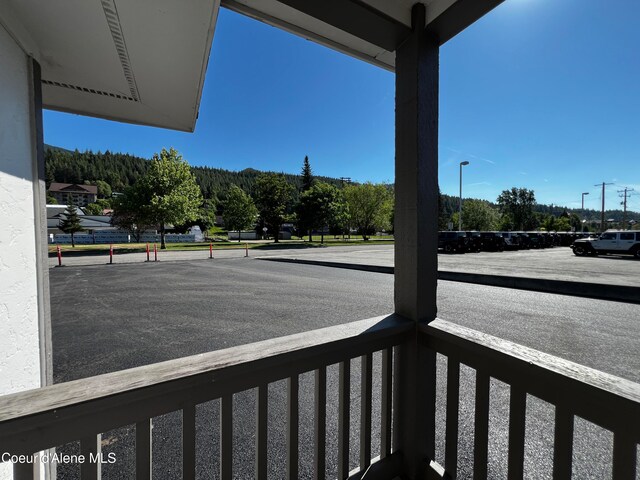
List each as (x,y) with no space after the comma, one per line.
(558,263)
(108,318)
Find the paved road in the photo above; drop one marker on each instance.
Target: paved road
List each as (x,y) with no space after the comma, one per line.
(557,263)
(107,318)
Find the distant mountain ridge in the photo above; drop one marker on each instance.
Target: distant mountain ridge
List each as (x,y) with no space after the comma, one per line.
(121,170)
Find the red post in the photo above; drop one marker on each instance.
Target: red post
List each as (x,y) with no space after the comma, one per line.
(155,252)
(246,249)
(147,251)
(110,253)
(59,256)
(210,250)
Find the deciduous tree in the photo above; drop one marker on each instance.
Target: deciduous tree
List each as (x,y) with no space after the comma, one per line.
(323,205)
(477,215)
(273,198)
(239,210)
(93,209)
(518,204)
(130,212)
(171,191)
(369,207)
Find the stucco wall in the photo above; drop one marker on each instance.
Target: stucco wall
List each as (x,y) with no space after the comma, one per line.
(19,335)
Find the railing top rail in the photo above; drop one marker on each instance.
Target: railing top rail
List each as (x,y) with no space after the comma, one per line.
(607,400)
(96,404)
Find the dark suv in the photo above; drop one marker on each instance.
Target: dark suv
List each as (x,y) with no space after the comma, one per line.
(492,241)
(453,241)
(474,242)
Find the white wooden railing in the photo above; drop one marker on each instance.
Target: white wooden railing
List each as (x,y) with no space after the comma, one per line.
(608,401)
(81,410)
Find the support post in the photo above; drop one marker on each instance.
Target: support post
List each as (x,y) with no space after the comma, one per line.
(416,237)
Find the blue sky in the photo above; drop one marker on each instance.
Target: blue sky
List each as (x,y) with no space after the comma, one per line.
(541,94)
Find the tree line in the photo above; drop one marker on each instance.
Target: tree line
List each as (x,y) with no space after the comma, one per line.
(310,203)
(121,170)
(168,193)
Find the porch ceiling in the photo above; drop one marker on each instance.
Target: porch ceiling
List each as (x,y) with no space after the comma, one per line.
(370,30)
(144,61)
(139,61)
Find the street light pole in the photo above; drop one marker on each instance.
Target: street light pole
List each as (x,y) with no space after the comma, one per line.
(583,194)
(460,204)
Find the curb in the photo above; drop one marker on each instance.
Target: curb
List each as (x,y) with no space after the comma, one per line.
(615,293)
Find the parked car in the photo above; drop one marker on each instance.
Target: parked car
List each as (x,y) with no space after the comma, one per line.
(492,241)
(548,239)
(620,242)
(525,240)
(474,242)
(535,240)
(453,241)
(512,240)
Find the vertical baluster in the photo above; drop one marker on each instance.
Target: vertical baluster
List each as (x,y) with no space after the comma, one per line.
(226,437)
(261,431)
(320,419)
(90,448)
(344,400)
(365,409)
(189,442)
(517,417)
(563,443)
(481,434)
(292,427)
(453,400)
(387,395)
(143,450)
(624,455)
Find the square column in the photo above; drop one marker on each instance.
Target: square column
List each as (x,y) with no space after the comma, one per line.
(25,340)
(416,240)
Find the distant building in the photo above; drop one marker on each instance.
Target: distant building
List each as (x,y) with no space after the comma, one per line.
(73,194)
(90,223)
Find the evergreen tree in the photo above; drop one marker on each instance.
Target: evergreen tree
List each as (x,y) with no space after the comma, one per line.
(304,212)
(307,175)
(71,223)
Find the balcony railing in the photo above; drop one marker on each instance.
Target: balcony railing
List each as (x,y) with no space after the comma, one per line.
(608,401)
(81,410)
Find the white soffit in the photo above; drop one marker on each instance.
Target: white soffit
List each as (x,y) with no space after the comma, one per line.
(140,61)
(305,18)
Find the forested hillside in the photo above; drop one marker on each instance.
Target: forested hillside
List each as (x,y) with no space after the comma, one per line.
(121,170)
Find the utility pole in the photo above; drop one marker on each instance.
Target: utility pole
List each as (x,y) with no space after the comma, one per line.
(602,213)
(624,203)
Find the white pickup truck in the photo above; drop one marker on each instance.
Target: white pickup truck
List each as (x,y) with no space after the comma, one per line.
(619,242)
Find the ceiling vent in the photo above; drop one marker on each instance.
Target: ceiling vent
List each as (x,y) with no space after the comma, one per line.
(113,20)
(88,90)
